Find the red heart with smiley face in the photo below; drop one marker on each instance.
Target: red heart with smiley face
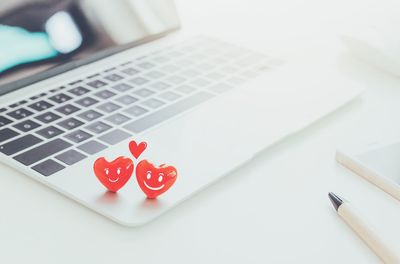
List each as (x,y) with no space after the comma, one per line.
(115,174)
(155,180)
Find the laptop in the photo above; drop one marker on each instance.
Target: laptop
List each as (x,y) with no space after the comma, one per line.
(79,80)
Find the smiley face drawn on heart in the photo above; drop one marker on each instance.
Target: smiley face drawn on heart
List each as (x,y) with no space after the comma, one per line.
(115,174)
(153,180)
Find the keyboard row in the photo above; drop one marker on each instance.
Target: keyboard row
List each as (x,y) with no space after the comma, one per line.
(69,157)
(206,54)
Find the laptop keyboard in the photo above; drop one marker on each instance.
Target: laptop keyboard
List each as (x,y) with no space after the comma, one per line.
(51,131)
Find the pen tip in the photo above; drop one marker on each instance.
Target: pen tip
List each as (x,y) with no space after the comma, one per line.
(336,200)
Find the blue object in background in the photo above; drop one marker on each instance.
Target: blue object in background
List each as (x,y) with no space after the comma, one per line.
(19,46)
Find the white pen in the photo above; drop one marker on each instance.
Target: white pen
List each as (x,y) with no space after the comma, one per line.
(350,216)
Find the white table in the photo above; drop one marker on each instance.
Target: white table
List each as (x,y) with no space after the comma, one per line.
(275,208)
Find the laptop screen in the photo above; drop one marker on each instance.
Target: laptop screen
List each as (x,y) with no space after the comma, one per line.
(42,38)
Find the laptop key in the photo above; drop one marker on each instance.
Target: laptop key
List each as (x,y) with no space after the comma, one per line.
(26,125)
(138,80)
(93,75)
(136,111)
(117,119)
(48,117)
(105,94)
(7,133)
(153,103)
(92,147)
(113,77)
(4,121)
(170,68)
(170,111)
(90,115)
(143,92)
(154,74)
(96,84)
(187,89)
(160,86)
(161,59)
(169,96)
(75,82)
(126,99)
(48,167)
(20,113)
(43,151)
(67,109)
(70,123)
(114,137)
(60,98)
(145,65)
(98,127)
(175,79)
(19,144)
(40,105)
(108,107)
(78,136)
(78,91)
(70,157)
(122,87)
(130,71)
(49,132)
(86,102)
(57,89)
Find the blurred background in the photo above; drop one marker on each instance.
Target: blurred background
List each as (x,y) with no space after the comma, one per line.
(39,34)
(42,33)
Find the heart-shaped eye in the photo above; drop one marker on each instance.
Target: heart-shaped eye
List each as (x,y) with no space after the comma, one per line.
(160,178)
(119,171)
(148,176)
(107,171)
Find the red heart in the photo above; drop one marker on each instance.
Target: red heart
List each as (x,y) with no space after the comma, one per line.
(155,180)
(136,149)
(113,175)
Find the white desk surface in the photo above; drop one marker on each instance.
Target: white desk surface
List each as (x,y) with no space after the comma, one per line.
(274,209)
